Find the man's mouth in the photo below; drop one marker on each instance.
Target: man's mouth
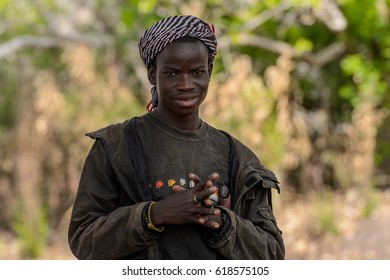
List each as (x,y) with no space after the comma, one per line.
(188,100)
(186,97)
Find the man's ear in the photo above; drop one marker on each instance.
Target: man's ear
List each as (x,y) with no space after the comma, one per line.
(152,75)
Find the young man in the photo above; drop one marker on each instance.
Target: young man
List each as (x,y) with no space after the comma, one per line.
(167,185)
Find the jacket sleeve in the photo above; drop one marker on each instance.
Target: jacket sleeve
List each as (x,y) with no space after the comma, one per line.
(252,231)
(255,236)
(103,225)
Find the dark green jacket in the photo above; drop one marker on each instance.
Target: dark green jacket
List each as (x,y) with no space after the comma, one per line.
(107,217)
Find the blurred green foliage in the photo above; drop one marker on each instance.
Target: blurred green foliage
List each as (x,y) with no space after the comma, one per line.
(82,56)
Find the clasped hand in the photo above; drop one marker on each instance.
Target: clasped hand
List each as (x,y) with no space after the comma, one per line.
(189,206)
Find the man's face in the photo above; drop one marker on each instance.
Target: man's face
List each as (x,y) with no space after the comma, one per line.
(181,73)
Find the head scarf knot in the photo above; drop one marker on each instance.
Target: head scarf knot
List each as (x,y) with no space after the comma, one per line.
(169,29)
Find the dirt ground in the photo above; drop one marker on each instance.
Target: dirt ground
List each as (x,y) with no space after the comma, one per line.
(355,237)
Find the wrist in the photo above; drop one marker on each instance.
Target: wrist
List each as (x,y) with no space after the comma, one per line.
(155,214)
(150,218)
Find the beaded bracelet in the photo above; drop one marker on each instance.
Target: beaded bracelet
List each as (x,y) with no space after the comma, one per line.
(149,223)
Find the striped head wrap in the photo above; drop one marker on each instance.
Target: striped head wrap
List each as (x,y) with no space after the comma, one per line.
(169,29)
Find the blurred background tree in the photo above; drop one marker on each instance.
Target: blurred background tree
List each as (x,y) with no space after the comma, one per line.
(304,83)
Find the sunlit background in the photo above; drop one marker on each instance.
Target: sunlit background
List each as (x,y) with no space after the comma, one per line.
(305,84)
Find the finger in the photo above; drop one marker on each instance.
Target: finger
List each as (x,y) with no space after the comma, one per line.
(204,211)
(208,222)
(194,178)
(213,176)
(199,184)
(203,185)
(177,188)
(207,203)
(213,224)
(210,183)
(203,195)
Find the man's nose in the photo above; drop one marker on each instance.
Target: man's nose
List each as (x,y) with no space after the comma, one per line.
(185,82)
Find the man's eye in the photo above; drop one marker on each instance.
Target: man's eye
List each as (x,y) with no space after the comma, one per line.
(198,72)
(170,73)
